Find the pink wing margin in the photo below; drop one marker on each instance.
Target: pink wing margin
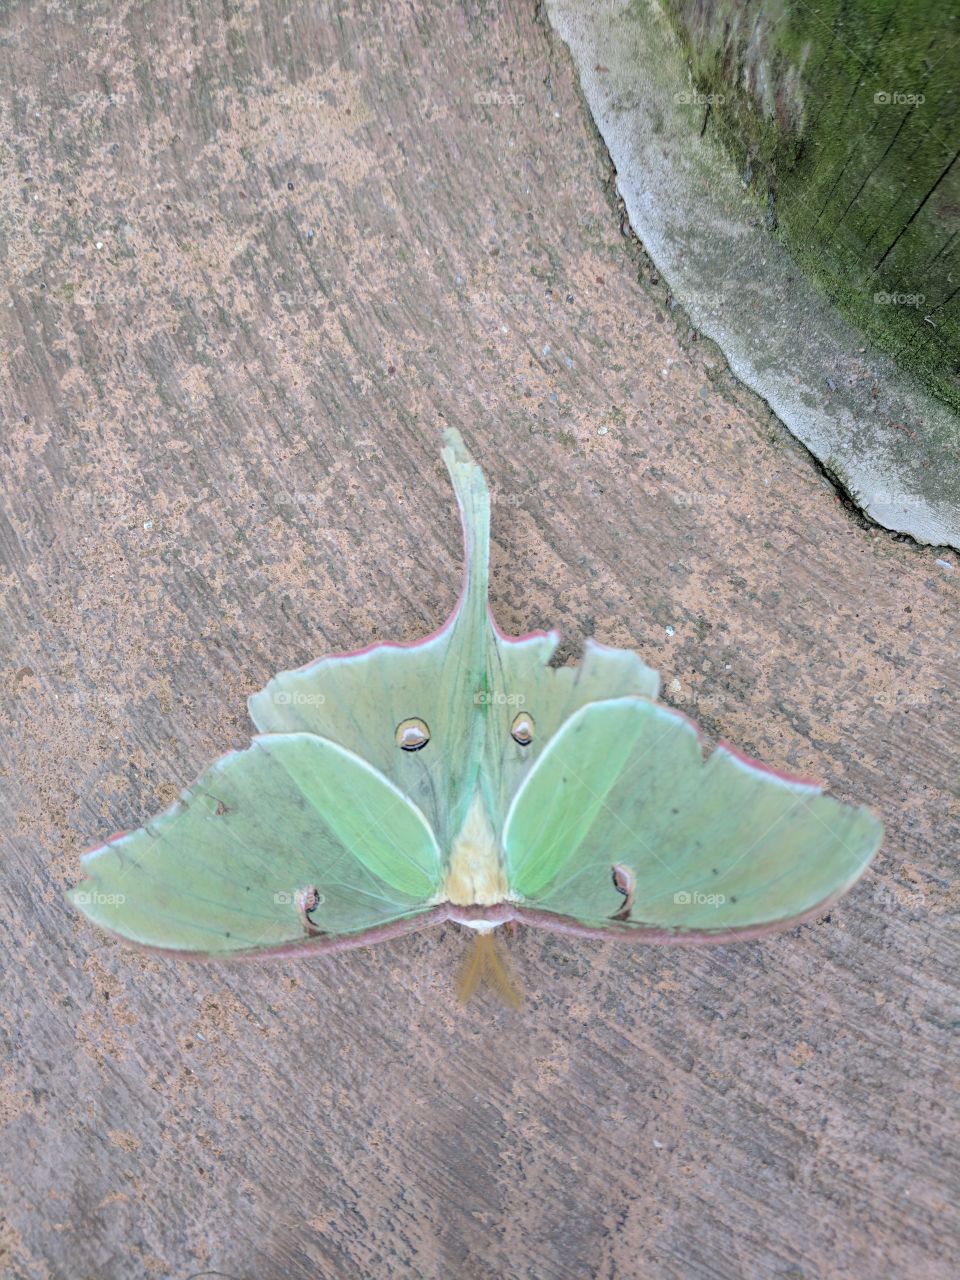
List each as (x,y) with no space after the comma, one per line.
(503,913)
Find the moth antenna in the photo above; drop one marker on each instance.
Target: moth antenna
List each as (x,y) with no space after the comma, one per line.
(484,964)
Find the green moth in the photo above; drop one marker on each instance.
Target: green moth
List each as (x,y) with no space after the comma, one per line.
(462,778)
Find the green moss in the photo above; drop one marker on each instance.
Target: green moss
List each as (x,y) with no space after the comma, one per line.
(844,118)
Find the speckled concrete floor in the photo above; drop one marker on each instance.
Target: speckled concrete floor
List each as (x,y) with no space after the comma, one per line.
(256,255)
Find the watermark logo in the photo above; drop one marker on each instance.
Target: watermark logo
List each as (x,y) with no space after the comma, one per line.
(92,102)
(498,699)
(886,498)
(301,298)
(297,698)
(899,299)
(696,697)
(895,897)
(708,301)
(284,899)
(884,98)
(698,498)
(688,899)
(493,98)
(291,498)
(694,98)
(486,298)
(509,499)
(92,898)
(900,698)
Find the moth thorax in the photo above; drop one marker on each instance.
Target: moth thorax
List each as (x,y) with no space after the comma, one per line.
(475,873)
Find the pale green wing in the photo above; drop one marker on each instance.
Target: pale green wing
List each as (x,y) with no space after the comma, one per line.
(466,683)
(294,838)
(521,686)
(623,824)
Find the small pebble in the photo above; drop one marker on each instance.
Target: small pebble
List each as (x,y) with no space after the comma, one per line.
(945,564)
(568,362)
(602,431)
(670,631)
(546,349)
(148,524)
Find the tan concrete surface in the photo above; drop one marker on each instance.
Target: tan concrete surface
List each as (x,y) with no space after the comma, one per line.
(220,460)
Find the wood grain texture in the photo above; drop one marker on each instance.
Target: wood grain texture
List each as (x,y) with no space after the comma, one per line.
(255,256)
(844,114)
